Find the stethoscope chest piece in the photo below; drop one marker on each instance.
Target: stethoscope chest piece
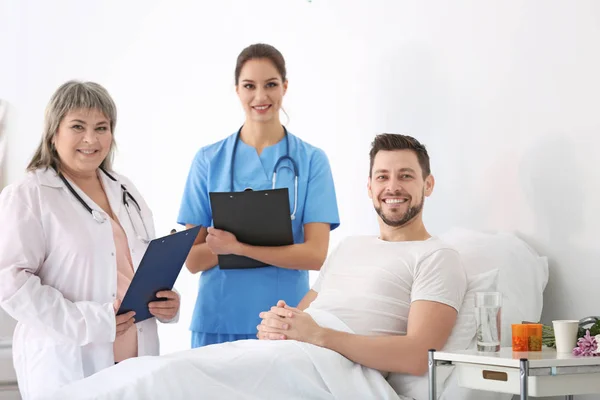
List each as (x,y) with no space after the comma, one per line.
(98,216)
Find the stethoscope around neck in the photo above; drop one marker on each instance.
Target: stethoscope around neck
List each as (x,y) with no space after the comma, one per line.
(126,197)
(279,161)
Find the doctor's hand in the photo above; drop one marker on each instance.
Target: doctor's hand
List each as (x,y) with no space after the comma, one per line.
(165,309)
(285,322)
(222,242)
(124,321)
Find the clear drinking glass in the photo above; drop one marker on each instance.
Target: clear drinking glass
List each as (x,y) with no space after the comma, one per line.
(488,317)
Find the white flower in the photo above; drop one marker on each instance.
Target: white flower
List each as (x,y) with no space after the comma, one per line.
(597,337)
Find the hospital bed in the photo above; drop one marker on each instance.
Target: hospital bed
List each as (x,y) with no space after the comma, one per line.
(242,370)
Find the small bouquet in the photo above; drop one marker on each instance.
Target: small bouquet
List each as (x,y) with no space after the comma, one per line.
(588,339)
(587,345)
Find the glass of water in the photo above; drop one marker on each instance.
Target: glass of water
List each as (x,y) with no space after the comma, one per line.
(488,317)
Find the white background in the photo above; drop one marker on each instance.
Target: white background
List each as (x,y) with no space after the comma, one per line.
(505,94)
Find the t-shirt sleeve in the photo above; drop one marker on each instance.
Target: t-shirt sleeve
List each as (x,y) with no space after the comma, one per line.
(195,205)
(440,277)
(321,201)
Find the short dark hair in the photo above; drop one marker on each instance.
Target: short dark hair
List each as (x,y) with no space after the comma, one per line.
(393,141)
(258,51)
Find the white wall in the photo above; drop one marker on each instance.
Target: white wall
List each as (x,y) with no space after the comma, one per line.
(504,93)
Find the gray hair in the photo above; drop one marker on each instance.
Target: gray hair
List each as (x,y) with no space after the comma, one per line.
(70,96)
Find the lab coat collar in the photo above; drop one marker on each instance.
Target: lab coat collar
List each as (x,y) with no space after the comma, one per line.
(49,177)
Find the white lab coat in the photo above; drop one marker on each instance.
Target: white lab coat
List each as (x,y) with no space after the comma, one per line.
(58,279)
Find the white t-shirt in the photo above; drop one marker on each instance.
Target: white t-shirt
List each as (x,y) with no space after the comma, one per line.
(370,283)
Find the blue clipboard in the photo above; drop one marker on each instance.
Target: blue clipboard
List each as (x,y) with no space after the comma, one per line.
(158,270)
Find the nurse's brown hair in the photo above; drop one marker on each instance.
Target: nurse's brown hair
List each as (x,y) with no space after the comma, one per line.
(260,51)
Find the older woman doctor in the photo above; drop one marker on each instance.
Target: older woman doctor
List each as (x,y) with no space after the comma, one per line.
(73,233)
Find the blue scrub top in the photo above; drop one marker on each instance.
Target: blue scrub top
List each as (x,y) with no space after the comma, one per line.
(229,301)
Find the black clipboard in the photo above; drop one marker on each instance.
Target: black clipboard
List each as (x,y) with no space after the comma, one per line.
(158,270)
(258,218)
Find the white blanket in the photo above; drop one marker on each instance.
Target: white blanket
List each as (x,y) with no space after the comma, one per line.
(249,369)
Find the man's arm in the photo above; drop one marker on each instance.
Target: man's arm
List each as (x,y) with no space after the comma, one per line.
(437,293)
(200,258)
(429,326)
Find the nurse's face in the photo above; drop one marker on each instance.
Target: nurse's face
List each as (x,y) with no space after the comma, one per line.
(261,90)
(397,187)
(82,141)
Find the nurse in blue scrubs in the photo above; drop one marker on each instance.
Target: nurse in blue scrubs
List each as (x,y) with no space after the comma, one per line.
(229,301)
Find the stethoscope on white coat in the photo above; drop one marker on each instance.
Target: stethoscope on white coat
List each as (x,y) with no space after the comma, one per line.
(279,161)
(100,218)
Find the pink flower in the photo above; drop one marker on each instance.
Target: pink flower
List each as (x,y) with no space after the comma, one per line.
(586,346)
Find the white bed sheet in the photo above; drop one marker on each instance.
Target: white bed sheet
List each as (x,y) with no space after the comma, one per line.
(249,369)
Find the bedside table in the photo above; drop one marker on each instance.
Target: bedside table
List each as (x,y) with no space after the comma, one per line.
(535,374)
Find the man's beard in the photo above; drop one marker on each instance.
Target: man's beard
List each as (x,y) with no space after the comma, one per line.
(406,217)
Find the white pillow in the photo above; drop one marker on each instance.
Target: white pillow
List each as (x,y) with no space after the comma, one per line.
(522,273)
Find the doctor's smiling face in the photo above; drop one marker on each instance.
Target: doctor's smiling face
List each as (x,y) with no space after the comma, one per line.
(260,82)
(83,140)
(79,128)
(398,185)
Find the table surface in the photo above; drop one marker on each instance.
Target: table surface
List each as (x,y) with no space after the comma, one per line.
(548,357)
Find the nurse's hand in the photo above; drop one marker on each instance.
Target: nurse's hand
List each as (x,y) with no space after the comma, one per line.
(166,309)
(124,321)
(222,242)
